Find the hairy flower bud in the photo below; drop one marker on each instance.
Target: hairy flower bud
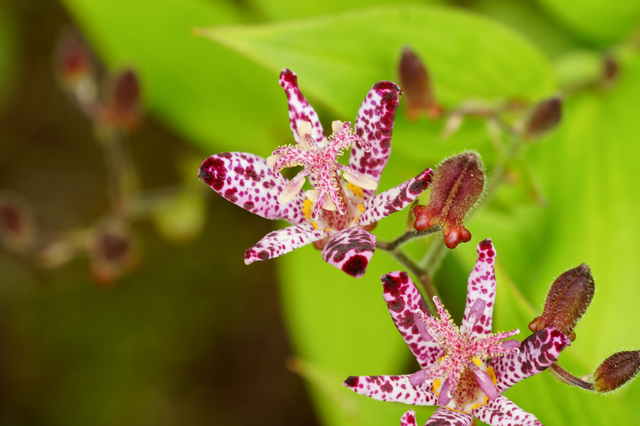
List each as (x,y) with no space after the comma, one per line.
(567,300)
(544,117)
(17,223)
(416,86)
(616,370)
(123,104)
(457,186)
(75,68)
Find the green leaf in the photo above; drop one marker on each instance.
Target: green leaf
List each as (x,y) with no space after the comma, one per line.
(217,98)
(338,57)
(597,21)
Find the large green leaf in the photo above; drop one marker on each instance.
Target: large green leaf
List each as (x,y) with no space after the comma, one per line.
(217,98)
(599,21)
(338,57)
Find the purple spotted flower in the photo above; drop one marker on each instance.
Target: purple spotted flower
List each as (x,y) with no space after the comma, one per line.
(463,370)
(341,209)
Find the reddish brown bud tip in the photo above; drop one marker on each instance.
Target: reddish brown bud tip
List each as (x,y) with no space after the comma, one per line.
(617,370)
(416,86)
(567,300)
(123,106)
(75,68)
(112,252)
(17,223)
(457,186)
(544,117)
(610,70)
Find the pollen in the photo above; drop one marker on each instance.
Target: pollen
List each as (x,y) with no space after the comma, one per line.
(436,384)
(361,207)
(315,225)
(356,190)
(492,375)
(306,208)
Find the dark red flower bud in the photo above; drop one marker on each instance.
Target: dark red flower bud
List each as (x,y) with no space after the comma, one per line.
(76,71)
(617,370)
(112,252)
(123,103)
(567,300)
(416,86)
(17,223)
(457,186)
(610,70)
(544,117)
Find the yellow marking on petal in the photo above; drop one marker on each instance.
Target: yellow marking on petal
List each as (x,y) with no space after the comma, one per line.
(453,409)
(356,219)
(361,207)
(355,189)
(315,226)
(306,208)
(436,384)
(477,361)
(327,229)
(486,401)
(492,374)
(441,358)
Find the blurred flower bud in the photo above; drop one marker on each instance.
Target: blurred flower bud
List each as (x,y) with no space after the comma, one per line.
(182,217)
(567,300)
(123,101)
(74,66)
(452,125)
(617,370)
(416,86)
(17,223)
(544,117)
(610,71)
(457,186)
(112,251)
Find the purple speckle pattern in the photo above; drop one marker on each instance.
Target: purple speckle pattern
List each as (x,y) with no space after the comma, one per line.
(246,180)
(502,412)
(374,124)
(390,388)
(403,299)
(537,353)
(350,250)
(408,419)
(395,199)
(446,417)
(299,107)
(481,286)
(282,241)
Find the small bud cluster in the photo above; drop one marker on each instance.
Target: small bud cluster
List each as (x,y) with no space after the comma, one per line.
(416,86)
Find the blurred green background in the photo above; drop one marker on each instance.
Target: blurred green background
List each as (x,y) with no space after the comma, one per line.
(192,335)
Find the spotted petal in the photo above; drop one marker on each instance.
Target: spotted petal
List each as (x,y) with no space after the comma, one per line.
(481,293)
(282,241)
(537,353)
(502,412)
(403,299)
(395,199)
(408,419)
(391,388)
(374,124)
(445,417)
(299,107)
(350,250)
(247,181)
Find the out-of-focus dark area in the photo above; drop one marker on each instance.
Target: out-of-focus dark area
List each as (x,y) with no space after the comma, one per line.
(174,340)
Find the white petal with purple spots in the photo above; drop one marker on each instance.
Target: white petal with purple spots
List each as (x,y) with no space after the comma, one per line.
(299,107)
(350,250)
(403,299)
(446,417)
(395,199)
(247,181)
(390,388)
(282,241)
(374,124)
(408,419)
(502,412)
(537,353)
(481,293)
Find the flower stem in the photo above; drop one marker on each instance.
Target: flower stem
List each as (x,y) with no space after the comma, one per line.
(565,377)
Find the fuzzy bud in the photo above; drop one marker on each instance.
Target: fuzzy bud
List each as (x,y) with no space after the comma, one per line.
(123,103)
(75,69)
(416,86)
(567,300)
(112,252)
(17,223)
(457,186)
(544,117)
(616,370)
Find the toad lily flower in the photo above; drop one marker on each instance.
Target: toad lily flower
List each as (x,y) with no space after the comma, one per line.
(337,214)
(463,370)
